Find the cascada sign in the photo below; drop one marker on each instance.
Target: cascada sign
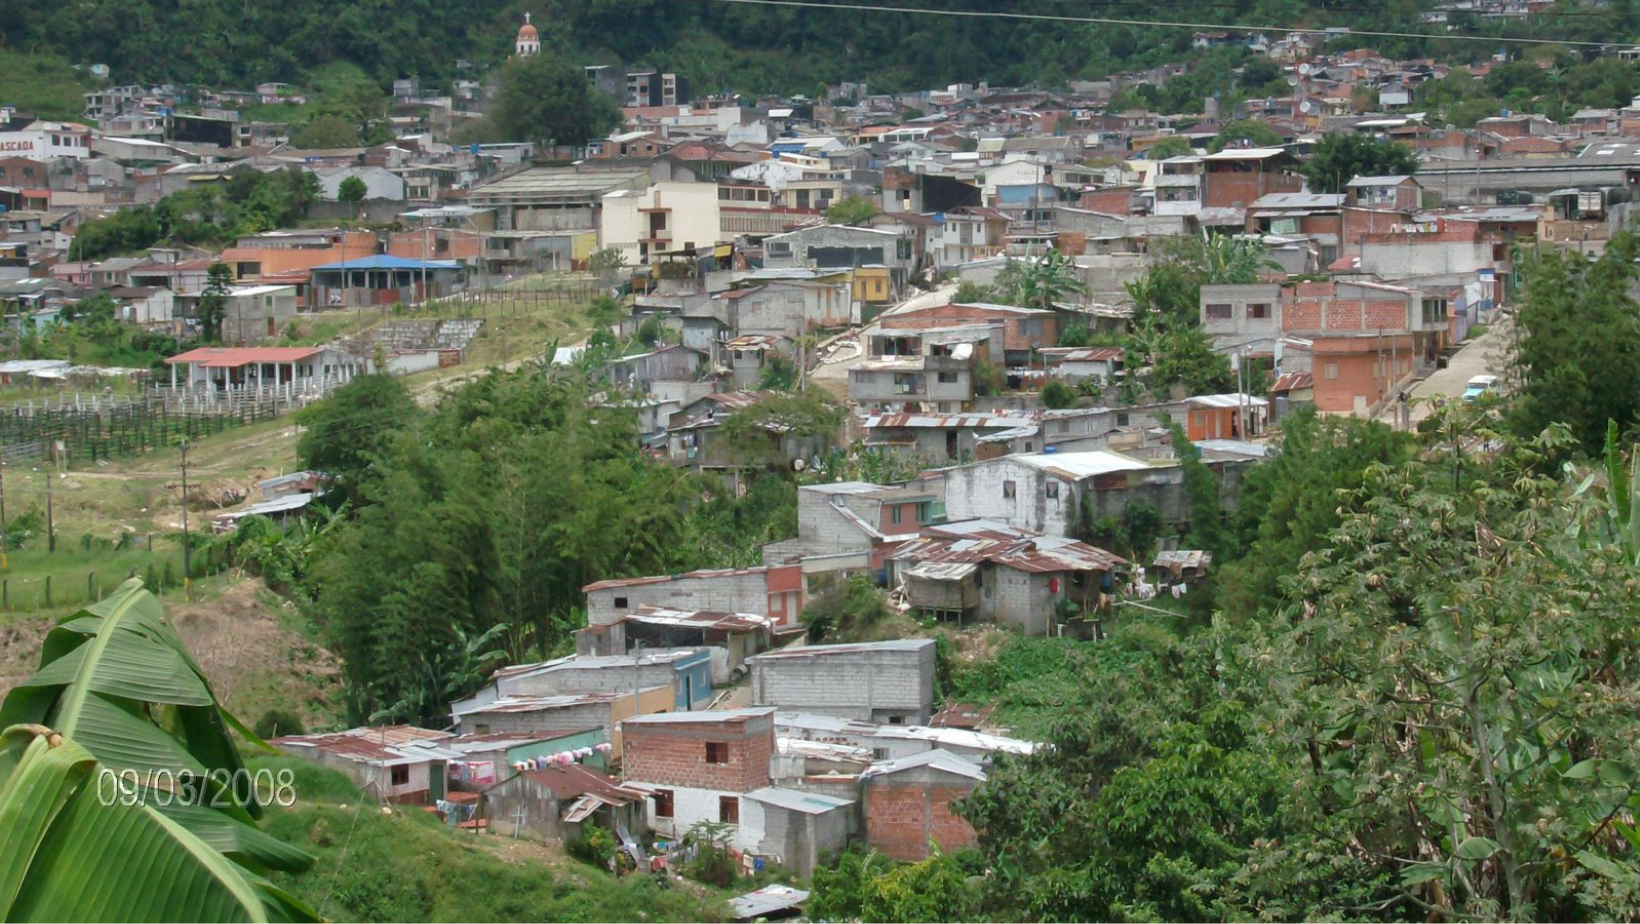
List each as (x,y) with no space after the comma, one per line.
(16,147)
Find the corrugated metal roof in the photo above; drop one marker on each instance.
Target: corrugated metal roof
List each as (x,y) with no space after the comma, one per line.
(811,803)
(941,421)
(828,651)
(1183,558)
(936,758)
(1293,381)
(698,619)
(766,901)
(942,571)
(1036,554)
(1227,401)
(702,717)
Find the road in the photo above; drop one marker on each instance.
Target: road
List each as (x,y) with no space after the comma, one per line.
(1483,355)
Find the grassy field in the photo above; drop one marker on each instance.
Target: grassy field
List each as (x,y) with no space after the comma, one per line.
(407,865)
(43,85)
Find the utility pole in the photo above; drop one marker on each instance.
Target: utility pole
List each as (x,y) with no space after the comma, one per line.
(51,523)
(5,540)
(186,571)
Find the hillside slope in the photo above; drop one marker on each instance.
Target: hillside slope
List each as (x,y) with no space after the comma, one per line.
(718,45)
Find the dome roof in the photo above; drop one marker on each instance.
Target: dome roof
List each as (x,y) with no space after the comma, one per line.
(527,31)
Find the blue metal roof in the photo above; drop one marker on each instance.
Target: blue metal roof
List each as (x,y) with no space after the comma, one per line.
(386,262)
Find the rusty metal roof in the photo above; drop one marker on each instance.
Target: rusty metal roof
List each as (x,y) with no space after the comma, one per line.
(704,573)
(1293,381)
(1036,555)
(698,619)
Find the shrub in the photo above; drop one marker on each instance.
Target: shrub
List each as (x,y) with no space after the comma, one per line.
(844,609)
(276,722)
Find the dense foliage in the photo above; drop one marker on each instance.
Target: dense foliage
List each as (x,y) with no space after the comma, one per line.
(249,202)
(546,100)
(753,48)
(1577,343)
(1341,158)
(1436,716)
(474,526)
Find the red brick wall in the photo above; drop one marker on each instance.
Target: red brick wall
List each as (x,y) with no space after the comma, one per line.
(1355,361)
(1239,188)
(674,754)
(1313,311)
(1110,201)
(901,819)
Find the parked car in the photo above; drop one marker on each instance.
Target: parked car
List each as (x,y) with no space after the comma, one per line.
(1480,385)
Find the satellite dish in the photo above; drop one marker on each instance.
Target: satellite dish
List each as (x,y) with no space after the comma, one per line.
(1305,107)
(1292,81)
(1304,68)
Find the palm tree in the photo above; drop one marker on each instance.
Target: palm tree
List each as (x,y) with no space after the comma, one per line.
(1042,282)
(116,762)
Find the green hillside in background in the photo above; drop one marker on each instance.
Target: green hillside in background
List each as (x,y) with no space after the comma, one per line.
(718,45)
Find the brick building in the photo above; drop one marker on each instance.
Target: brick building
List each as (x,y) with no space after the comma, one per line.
(699,763)
(1368,338)
(908,803)
(890,681)
(1236,178)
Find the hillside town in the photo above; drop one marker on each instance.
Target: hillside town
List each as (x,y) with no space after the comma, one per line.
(1019,359)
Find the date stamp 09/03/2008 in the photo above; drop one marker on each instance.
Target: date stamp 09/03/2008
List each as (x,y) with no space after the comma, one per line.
(216,789)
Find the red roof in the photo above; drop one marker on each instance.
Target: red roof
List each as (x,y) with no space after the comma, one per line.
(1293,381)
(234,357)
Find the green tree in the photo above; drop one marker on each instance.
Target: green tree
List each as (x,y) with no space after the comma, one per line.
(346,434)
(1056,395)
(1576,344)
(326,132)
(352,191)
(1343,157)
(1453,672)
(544,99)
(1288,506)
(851,210)
(1171,146)
(1250,133)
(213,301)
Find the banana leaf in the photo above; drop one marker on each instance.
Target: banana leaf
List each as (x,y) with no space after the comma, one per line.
(70,852)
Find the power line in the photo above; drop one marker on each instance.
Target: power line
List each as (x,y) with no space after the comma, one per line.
(1152,23)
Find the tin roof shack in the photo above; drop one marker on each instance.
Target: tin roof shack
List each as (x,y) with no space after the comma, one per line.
(795,828)
(1220,417)
(641,371)
(773,589)
(568,712)
(731,638)
(559,802)
(1181,566)
(891,742)
(890,681)
(853,525)
(1024,583)
(908,803)
(397,763)
(257,312)
(1043,492)
(940,438)
(687,671)
(719,437)
(700,764)
(487,759)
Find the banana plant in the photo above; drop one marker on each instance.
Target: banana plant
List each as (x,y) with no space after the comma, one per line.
(117,783)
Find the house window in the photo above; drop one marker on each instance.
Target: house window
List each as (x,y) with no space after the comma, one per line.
(894,514)
(879,753)
(1435,310)
(1122,419)
(948,378)
(717,752)
(729,810)
(1219,312)
(1008,489)
(1258,312)
(896,720)
(1330,370)
(620,603)
(1053,490)
(1064,426)
(663,803)
(400,775)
